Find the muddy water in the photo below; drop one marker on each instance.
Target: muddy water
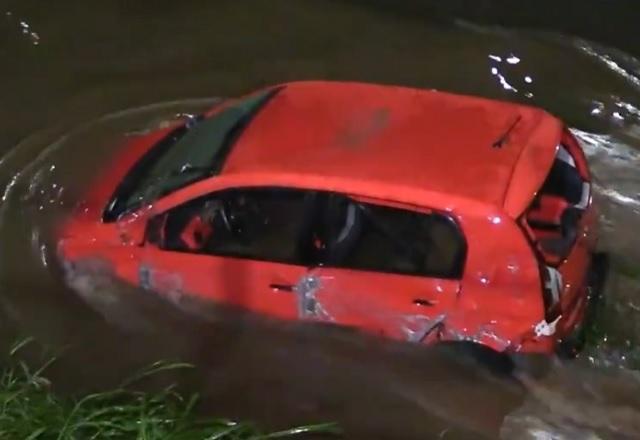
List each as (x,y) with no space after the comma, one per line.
(75,79)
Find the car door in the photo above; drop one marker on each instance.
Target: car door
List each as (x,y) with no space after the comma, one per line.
(388,270)
(236,247)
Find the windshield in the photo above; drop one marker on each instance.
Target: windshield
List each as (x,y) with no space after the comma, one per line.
(192,152)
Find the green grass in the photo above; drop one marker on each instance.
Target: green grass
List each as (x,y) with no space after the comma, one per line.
(30,410)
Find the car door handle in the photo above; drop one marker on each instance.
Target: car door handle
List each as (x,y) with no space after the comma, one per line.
(282,287)
(422,302)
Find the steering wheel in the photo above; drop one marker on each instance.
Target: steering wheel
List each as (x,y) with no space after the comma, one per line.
(225,218)
(242,217)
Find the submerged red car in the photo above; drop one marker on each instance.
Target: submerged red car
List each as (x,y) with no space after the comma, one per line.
(413,214)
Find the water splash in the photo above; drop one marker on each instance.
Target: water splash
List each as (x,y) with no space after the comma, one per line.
(25,28)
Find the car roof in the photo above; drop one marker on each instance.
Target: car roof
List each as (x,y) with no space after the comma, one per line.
(474,149)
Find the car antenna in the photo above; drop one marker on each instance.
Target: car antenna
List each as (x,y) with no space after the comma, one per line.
(505,137)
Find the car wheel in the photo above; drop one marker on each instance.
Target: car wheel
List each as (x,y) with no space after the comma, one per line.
(501,364)
(497,363)
(532,365)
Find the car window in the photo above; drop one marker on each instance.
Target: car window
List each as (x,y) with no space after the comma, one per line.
(356,235)
(313,228)
(555,213)
(261,224)
(191,152)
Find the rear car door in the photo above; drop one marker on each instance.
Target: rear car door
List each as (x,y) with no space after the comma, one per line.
(234,247)
(389,270)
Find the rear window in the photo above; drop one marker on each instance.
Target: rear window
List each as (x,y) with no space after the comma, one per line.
(554,215)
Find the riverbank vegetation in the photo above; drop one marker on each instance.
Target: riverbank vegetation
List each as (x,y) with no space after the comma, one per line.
(29,409)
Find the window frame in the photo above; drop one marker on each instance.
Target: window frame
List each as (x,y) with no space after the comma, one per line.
(456,272)
(212,195)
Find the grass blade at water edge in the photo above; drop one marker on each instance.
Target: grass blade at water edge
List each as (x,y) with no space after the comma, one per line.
(30,410)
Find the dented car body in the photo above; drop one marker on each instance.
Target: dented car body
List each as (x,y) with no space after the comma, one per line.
(413,214)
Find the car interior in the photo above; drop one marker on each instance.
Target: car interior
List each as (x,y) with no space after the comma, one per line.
(313,228)
(555,213)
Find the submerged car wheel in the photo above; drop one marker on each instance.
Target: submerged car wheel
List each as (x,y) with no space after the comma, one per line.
(501,364)
(573,344)
(497,363)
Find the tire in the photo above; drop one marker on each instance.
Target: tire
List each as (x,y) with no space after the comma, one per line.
(495,362)
(532,365)
(499,364)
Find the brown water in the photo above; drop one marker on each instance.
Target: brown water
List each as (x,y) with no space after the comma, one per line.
(76,76)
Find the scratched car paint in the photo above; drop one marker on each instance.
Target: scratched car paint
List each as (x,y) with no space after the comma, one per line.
(395,244)
(105,59)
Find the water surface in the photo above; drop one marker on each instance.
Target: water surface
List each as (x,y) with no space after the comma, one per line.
(76,77)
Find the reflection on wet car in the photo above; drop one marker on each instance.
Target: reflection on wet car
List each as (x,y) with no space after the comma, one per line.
(413,214)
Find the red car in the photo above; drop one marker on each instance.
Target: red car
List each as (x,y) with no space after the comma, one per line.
(414,214)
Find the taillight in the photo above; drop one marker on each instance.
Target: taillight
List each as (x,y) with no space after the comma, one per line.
(551,291)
